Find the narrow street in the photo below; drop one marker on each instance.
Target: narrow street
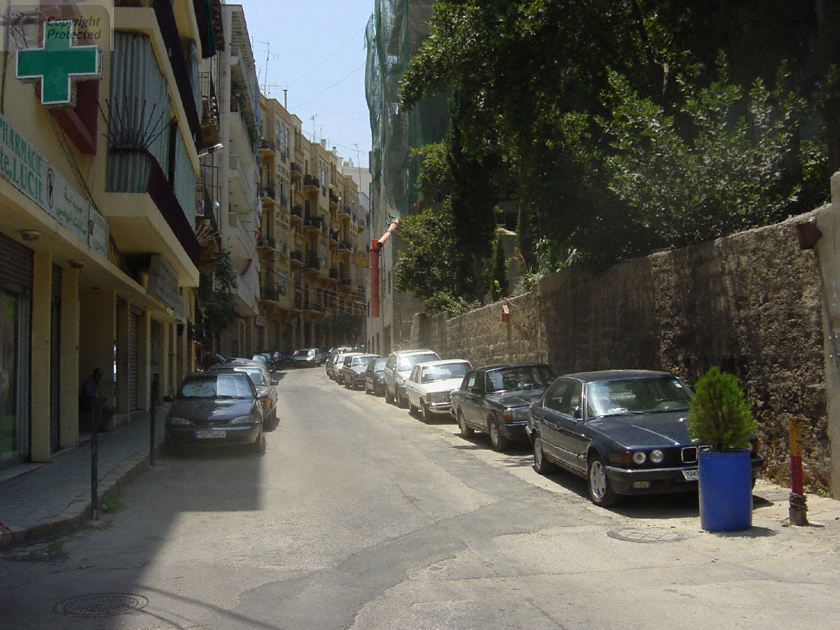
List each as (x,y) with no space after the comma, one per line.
(362,517)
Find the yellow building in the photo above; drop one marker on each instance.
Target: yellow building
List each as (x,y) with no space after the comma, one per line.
(312,290)
(98,253)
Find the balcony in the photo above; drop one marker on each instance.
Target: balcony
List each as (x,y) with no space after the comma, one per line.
(311,182)
(266,147)
(295,172)
(149,193)
(295,258)
(313,224)
(296,215)
(269,293)
(334,200)
(334,234)
(344,213)
(266,243)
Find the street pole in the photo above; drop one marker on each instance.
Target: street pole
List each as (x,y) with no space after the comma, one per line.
(152,412)
(798,511)
(94,459)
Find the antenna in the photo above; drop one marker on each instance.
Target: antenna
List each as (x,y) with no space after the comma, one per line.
(314,136)
(268,57)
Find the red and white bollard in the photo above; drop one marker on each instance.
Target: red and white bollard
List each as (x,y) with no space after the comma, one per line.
(798,510)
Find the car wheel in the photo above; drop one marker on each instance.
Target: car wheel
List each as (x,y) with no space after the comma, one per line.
(541,464)
(599,486)
(425,413)
(498,441)
(466,431)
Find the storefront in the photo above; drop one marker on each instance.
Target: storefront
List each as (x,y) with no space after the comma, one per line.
(15,294)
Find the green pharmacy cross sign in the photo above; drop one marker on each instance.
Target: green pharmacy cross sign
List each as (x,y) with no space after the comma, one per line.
(58,64)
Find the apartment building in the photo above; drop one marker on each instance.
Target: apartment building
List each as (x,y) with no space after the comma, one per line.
(100,135)
(310,239)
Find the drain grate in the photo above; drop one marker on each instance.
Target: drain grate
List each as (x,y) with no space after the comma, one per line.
(636,535)
(101,605)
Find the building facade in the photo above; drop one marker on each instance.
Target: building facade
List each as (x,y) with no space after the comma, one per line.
(98,251)
(311,240)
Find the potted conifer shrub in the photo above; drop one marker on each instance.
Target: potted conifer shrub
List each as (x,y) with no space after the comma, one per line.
(721,423)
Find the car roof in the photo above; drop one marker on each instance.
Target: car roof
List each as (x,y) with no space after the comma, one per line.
(616,375)
(404,353)
(497,366)
(238,363)
(443,362)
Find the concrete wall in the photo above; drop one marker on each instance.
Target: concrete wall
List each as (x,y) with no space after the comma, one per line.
(751,304)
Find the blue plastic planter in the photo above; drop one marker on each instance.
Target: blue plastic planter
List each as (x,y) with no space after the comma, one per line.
(725,491)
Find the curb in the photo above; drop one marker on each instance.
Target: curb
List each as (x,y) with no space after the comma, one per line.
(76,515)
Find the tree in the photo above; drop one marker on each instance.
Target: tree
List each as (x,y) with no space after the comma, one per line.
(530,77)
(426,267)
(719,165)
(214,298)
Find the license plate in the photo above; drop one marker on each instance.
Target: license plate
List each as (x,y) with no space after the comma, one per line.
(212,435)
(690,475)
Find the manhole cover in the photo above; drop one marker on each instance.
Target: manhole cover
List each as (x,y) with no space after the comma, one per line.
(632,534)
(102,605)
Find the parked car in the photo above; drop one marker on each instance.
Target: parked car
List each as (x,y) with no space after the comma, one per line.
(622,430)
(430,385)
(308,357)
(213,408)
(353,370)
(398,368)
(375,377)
(495,399)
(263,383)
(339,365)
(332,366)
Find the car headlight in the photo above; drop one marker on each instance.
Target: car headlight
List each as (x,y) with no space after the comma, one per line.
(515,415)
(242,420)
(178,422)
(657,456)
(639,457)
(437,397)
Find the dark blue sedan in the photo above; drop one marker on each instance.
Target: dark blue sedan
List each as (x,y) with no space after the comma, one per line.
(622,430)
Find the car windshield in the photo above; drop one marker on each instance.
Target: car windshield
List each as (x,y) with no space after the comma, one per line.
(303,353)
(408,362)
(519,377)
(362,360)
(636,395)
(442,372)
(217,386)
(255,375)
(378,365)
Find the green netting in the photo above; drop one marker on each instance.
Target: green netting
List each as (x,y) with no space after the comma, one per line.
(395,31)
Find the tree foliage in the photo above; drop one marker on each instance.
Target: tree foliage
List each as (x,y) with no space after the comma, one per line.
(214,298)
(719,414)
(616,129)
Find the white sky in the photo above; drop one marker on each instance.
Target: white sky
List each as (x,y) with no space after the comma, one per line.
(316,50)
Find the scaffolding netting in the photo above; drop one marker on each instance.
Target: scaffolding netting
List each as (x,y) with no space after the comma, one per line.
(394,33)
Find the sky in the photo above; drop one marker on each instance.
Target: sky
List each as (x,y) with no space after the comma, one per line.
(316,51)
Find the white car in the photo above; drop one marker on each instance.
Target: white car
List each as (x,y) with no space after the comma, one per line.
(430,384)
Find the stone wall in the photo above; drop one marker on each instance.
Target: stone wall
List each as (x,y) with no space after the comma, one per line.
(749,303)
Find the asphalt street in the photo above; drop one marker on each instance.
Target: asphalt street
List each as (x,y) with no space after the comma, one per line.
(360,516)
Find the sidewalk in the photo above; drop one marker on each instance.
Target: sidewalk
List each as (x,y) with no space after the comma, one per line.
(42,501)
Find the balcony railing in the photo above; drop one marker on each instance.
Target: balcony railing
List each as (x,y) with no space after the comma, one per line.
(311,180)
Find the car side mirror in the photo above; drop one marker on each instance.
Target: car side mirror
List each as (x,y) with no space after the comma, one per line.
(577,414)
(168,399)
(275,381)
(476,390)
(262,397)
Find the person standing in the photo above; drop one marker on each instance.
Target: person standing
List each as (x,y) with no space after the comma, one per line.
(89,400)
